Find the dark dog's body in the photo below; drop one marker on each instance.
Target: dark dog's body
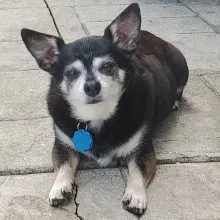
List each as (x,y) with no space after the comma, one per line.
(156,73)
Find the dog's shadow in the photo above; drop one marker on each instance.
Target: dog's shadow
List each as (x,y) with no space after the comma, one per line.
(173,129)
(165,129)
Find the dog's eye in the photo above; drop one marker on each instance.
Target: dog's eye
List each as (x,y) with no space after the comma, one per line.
(106,67)
(71,73)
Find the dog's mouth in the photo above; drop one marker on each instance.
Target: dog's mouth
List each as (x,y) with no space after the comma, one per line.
(94,101)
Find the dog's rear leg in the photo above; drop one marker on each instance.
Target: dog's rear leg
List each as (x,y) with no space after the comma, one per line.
(179,94)
(65,162)
(141,168)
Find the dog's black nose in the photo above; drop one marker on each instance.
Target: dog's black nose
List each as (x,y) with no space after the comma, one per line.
(92,88)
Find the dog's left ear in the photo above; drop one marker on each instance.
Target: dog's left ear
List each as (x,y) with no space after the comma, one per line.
(125,29)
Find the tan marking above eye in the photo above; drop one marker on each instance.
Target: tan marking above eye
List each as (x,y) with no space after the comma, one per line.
(78,65)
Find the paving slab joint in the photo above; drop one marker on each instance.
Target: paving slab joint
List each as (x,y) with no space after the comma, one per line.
(25,119)
(25,171)
(51,14)
(83,26)
(76,203)
(85,29)
(210,86)
(213,73)
(187,160)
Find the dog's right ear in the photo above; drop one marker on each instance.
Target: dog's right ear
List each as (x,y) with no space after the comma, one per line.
(44,48)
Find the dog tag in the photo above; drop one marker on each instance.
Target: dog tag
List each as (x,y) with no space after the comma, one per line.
(82,140)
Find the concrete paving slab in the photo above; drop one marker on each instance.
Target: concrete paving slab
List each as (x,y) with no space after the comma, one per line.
(26,197)
(15,57)
(181,25)
(190,127)
(210,14)
(23,94)
(213,81)
(17,19)
(98,13)
(100,195)
(97,28)
(9,4)
(25,146)
(181,191)
(160,26)
(189,191)
(68,23)
(208,10)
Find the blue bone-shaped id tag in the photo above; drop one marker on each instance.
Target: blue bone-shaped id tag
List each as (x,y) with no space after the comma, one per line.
(82,140)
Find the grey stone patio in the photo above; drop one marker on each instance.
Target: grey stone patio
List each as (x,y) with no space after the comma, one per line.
(186,186)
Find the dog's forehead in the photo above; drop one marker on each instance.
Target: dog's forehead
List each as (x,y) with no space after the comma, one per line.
(86,53)
(89,47)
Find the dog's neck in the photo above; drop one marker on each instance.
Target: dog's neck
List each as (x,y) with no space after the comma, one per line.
(94,113)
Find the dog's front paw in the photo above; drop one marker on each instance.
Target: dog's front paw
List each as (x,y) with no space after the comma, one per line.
(60,194)
(135,200)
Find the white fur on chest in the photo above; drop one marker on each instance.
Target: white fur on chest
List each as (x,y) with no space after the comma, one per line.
(123,150)
(96,125)
(132,143)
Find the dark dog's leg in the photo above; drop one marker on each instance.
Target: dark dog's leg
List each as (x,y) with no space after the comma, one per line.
(178,98)
(65,162)
(141,168)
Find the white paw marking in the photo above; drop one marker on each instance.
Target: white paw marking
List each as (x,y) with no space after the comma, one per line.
(58,191)
(63,184)
(131,144)
(135,198)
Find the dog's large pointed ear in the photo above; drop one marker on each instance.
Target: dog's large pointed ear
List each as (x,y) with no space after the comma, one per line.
(44,48)
(125,29)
